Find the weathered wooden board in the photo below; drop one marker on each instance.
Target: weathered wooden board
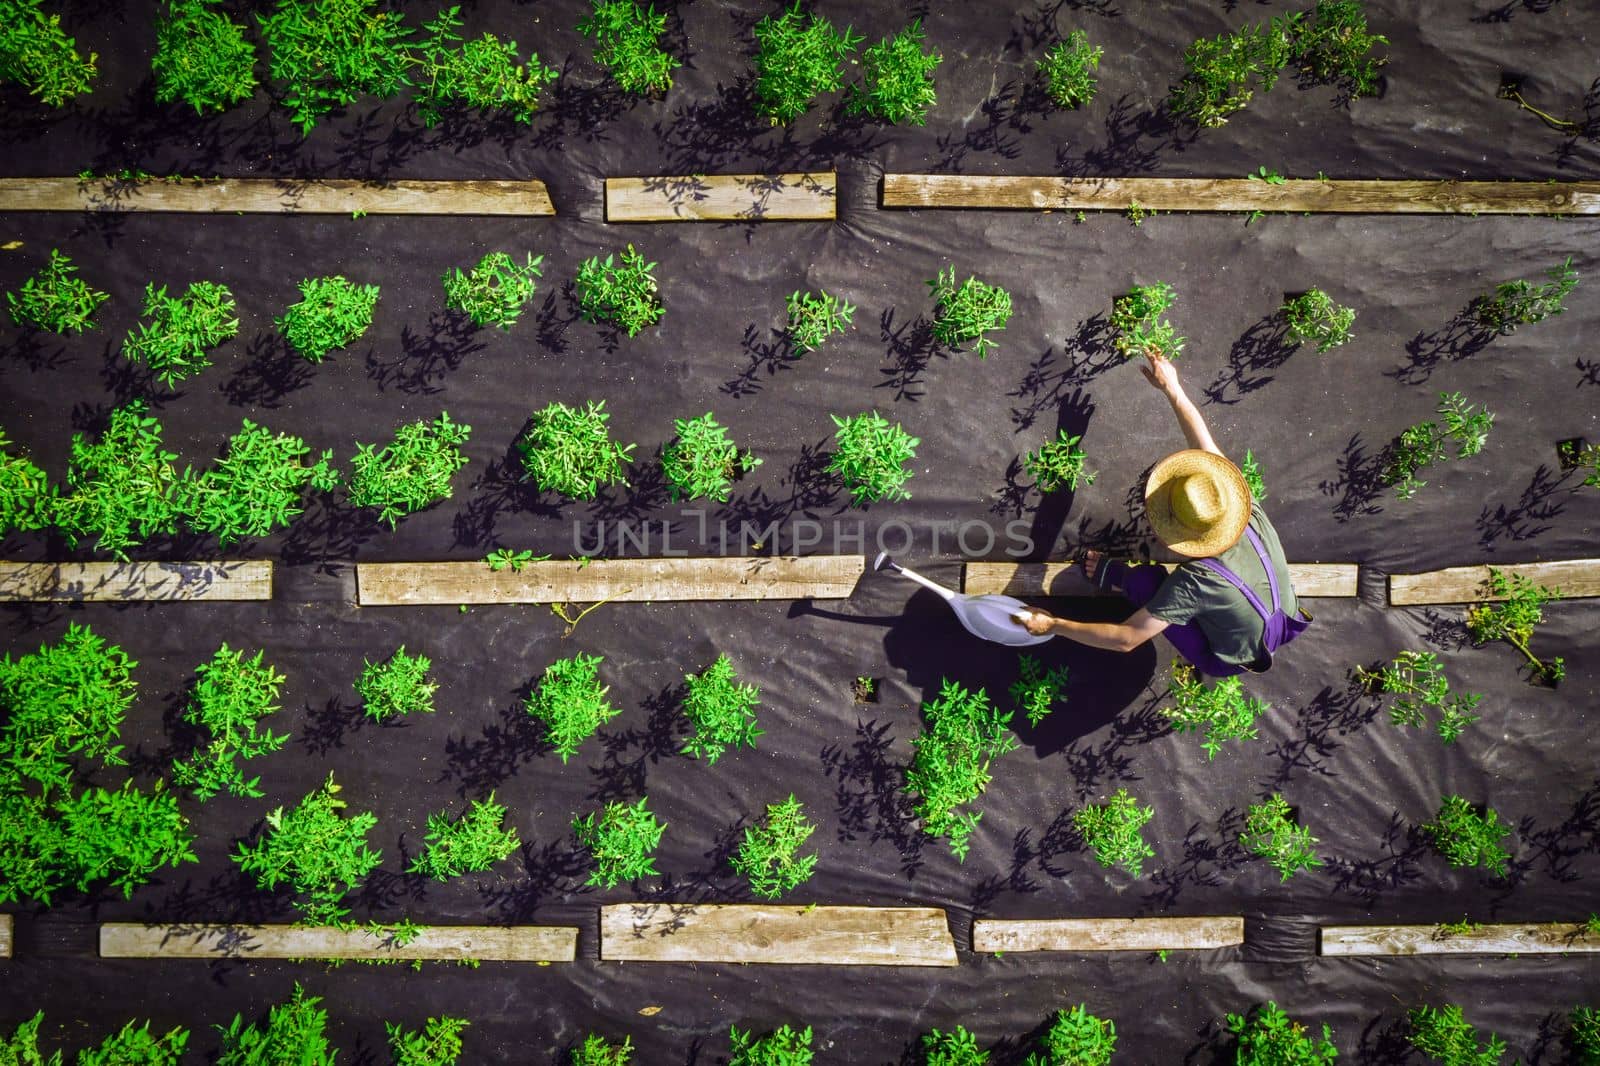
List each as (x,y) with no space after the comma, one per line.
(125,582)
(1465,584)
(5,936)
(1107,934)
(1043,579)
(823,577)
(829,936)
(1240,194)
(332,196)
(723,198)
(519,943)
(1548,938)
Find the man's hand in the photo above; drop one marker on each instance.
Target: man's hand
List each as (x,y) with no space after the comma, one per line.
(1161,373)
(1037,622)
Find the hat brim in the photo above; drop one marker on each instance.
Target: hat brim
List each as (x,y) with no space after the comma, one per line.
(1175,534)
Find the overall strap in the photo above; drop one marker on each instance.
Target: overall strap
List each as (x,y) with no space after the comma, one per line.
(1222,571)
(1266,564)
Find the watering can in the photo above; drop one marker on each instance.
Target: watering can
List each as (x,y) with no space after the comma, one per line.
(993,617)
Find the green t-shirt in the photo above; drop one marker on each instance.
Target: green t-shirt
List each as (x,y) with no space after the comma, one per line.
(1231,626)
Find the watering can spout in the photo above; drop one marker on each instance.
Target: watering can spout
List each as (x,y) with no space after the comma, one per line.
(883,562)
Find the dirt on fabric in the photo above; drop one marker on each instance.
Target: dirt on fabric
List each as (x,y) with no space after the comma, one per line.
(1317,423)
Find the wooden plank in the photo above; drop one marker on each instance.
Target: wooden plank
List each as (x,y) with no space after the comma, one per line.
(723,198)
(1548,938)
(129,582)
(518,943)
(1574,578)
(1241,194)
(332,196)
(828,936)
(1107,934)
(824,577)
(1312,580)
(5,936)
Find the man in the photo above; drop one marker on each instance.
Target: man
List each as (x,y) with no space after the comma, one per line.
(1199,506)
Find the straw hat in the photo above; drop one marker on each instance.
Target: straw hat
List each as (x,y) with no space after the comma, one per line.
(1197,502)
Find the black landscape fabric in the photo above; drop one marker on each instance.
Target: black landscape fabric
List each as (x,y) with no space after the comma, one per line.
(1316,423)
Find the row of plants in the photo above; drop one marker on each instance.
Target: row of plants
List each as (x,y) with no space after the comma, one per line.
(296,1032)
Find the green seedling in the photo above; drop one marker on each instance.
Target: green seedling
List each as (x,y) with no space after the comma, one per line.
(332,313)
(897,79)
(813,318)
(627,43)
(962,734)
(202,57)
(596,1050)
(411,472)
(968,312)
(1076,1037)
(1269,1037)
(495,291)
(1221,710)
(65,701)
(1332,48)
(1140,329)
(131,1046)
(571,702)
(1271,833)
(798,58)
(1446,930)
(1112,831)
(1417,677)
(1313,316)
(258,485)
(864,689)
(122,488)
(54,299)
(437,1043)
(1521,303)
(620,838)
(621,293)
(1037,690)
(701,462)
(27,499)
(1513,620)
(958,1047)
(328,53)
(1270,177)
(469,844)
(869,456)
(1583,1036)
(783,1046)
(570,451)
(721,710)
(768,857)
(396,685)
(1067,70)
(1466,838)
(231,696)
(296,1032)
(1443,1033)
(1137,212)
(1251,469)
(1058,464)
(481,74)
(318,853)
(1223,73)
(36,54)
(504,558)
(1574,456)
(1423,444)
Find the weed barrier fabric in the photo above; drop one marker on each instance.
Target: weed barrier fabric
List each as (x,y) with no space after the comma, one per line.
(1315,423)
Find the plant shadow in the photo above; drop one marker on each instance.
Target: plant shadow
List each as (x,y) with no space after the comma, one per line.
(426,358)
(628,755)
(1263,347)
(1531,515)
(766,358)
(270,372)
(1460,338)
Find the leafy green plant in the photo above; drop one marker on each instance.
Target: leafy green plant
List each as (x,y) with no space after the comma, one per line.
(767,855)
(493,292)
(1514,619)
(131,1046)
(1251,469)
(1222,710)
(469,844)
(54,299)
(813,318)
(1521,303)
(295,1033)
(1333,46)
(1137,212)
(122,836)
(783,1046)
(437,1043)
(256,487)
(332,313)
(202,57)
(36,54)
(122,488)
(1574,456)
(1223,73)
(329,52)
(897,79)
(962,733)
(1446,930)
(1037,690)
(1112,831)
(1423,444)
(319,853)
(411,472)
(1271,833)
(627,42)
(721,709)
(1466,838)
(596,1050)
(1313,316)
(502,558)
(869,456)
(396,685)
(482,73)
(798,58)
(1136,318)
(231,695)
(1417,677)
(1058,464)
(955,1048)
(1066,69)
(27,499)
(66,700)
(701,462)
(1583,1036)
(570,450)
(1269,1037)
(22,1046)
(620,838)
(571,702)
(1076,1038)
(967,312)
(1443,1033)
(621,293)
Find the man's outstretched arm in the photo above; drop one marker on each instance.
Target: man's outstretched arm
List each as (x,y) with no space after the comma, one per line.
(1164,376)
(1140,627)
